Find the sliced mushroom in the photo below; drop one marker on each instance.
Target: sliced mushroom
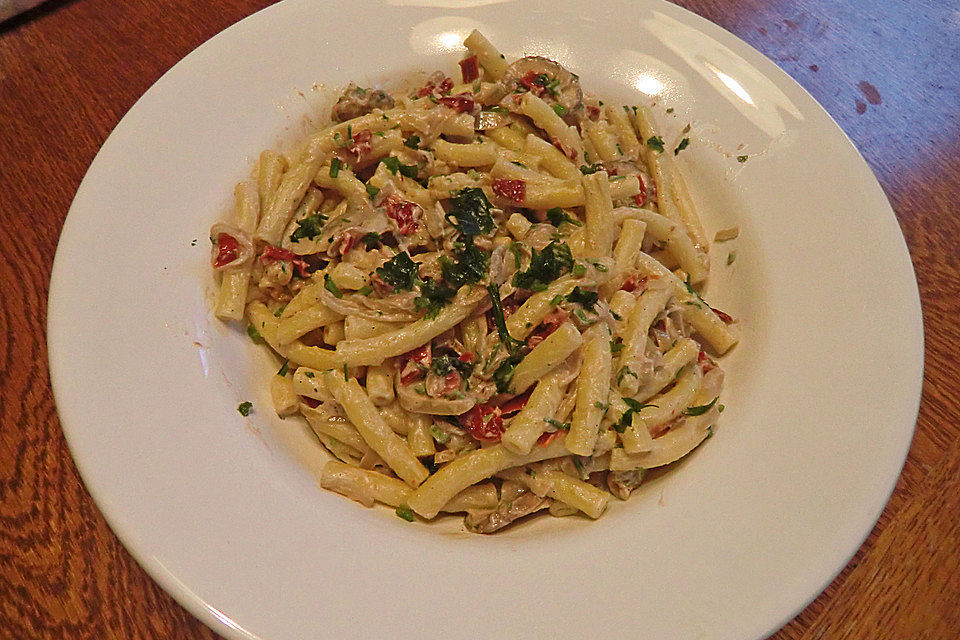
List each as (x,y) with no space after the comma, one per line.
(622,483)
(508,511)
(562,87)
(357,101)
(420,403)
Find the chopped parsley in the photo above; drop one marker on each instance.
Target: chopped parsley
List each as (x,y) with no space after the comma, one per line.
(285,369)
(557,299)
(393,164)
(545,266)
(372,191)
(413,142)
(371,241)
(560,426)
(334,167)
(599,266)
(309,228)
(403,511)
(331,286)
(445,363)
(624,372)
(365,290)
(586,299)
(511,343)
(742,158)
(560,110)
(616,345)
(517,250)
(440,436)
(632,407)
(254,334)
(468,266)
(434,296)
(504,373)
(588,169)
(683,145)
(702,409)
(496,109)
(693,292)
(244,408)
(731,257)
(579,270)
(655,143)
(400,272)
(670,110)
(470,212)
(558,216)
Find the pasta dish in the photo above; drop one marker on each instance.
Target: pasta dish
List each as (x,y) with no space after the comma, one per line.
(484,294)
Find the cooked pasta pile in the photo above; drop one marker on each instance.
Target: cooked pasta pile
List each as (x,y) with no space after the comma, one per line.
(484,294)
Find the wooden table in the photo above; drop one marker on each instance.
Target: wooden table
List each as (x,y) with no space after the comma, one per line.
(889,73)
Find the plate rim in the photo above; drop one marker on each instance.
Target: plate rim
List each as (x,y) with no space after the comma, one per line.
(193,602)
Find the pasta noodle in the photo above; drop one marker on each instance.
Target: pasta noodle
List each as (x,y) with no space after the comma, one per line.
(484,293)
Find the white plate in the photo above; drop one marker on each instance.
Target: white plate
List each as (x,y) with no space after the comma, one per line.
(224,512)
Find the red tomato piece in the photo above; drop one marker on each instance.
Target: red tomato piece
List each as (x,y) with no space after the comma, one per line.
(461,103)
(482,427)
(547,438)
(727,319)
(228,250)
(271,253)
(404,213)
(515,404)
(641,198)
(513,190)
(469,69)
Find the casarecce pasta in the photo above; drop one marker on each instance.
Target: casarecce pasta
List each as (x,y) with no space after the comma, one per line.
(484,294)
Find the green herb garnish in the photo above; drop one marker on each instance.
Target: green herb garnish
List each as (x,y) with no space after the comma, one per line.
(742,158)
(400,272)
(371,241)
(470,212)
(586,299)
(545,266)
(412,142)
(254,334)
(334,167)
(632,407)
(405,512)
(372,191)
(309,227)
(683,145)
(588,169)
(504,373)
(331,286)
(434,296)
(244,408)
(655,143)
(468,266)
(558,216)
(560,110)
(285,369)
(511,343)
(560,426)
(702,409)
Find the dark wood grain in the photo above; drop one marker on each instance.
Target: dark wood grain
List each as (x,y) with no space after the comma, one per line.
(886,71)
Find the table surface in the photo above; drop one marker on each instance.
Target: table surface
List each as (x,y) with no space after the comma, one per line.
(888,72)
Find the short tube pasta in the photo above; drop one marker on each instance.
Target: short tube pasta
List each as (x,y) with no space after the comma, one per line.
(483,292)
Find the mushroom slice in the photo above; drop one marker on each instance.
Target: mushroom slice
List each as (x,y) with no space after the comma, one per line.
(550,81)
(509,511)
(358,101)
